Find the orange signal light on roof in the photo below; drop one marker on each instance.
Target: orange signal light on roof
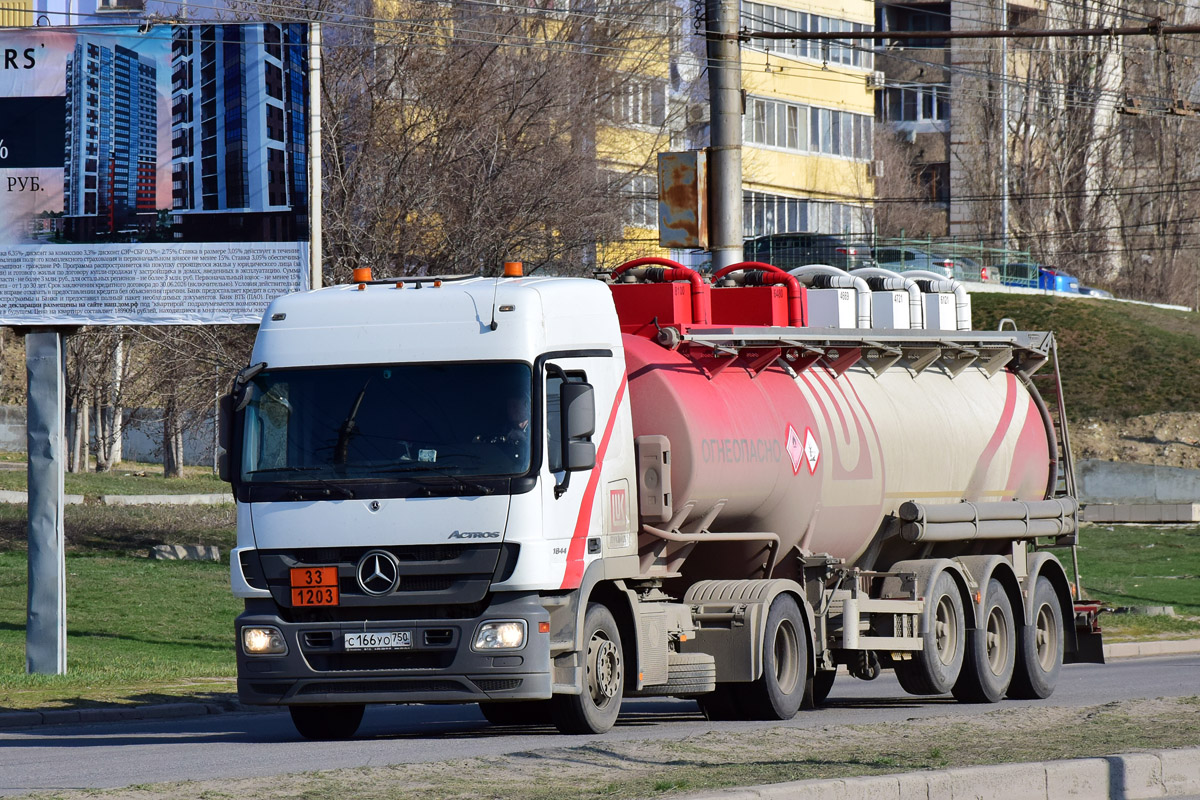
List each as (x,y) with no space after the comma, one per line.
(513,269)
(361,275)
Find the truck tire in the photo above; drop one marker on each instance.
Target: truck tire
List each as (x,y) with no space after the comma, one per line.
(327,722)
(595,709)
(934,669)
(779,692)
(1039,646)
(521,712)
(991,651)
(723,704)
(822,685)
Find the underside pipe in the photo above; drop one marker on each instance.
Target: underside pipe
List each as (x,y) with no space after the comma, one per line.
(934,282)
(824,276)
(966,521)
(884,280)
(758,273)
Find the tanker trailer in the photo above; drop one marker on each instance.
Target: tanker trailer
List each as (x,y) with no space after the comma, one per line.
(906,479)
(543,495)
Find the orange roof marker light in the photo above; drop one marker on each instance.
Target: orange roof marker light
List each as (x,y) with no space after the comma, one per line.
(514,269)
(361,275)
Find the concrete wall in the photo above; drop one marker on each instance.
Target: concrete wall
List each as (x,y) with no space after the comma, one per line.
(1114,482)
(12,429)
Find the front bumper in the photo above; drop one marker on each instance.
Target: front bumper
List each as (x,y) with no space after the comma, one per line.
(440,667)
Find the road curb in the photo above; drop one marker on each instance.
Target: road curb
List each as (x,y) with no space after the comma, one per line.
(1159,647)
(30,719)
(1163,773)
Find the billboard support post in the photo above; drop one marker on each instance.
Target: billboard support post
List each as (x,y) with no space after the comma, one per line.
(46,628)
(314,154)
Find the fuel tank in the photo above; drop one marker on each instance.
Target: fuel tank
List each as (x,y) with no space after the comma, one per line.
(823,459)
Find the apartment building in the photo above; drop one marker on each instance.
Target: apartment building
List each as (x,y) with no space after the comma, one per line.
(239,126)
(808,129)
(111,150)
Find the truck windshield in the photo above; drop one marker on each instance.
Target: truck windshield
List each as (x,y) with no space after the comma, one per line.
(388,422)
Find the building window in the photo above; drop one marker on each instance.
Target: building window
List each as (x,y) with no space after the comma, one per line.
(642,191)
(764,214)
(907,18)
(638,101)
(805,129)
(772,19)
(919,102)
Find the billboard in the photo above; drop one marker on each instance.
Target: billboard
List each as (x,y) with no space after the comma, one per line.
(155,176)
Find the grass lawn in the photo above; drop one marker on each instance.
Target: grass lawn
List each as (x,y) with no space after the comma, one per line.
(137,631)
(128,478)
(120,530)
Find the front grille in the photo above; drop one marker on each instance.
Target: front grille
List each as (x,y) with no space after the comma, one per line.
(390,661)
(366,687)
(499,684)
(382,613)
(430,575)
(318,639)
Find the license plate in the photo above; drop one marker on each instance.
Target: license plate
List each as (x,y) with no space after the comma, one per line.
(314,586)
(379,640)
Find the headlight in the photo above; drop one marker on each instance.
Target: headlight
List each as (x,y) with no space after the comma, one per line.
(264,641)
(502,635)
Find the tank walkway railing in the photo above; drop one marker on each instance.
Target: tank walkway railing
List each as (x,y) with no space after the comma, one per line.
(879,349)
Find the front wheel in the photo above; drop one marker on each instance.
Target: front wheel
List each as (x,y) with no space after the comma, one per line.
(779,692)
(327,722)
(1039,646)
(596,709)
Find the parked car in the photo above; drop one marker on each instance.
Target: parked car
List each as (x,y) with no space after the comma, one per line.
(1038,276)
(966,268)
(905,259)
(790,250)
(1092,291)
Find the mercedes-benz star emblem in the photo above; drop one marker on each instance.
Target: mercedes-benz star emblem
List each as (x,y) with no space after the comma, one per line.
(378,573)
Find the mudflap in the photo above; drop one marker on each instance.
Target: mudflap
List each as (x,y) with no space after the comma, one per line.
(1089,637)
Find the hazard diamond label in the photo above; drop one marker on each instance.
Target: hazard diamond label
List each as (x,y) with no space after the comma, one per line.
(812,453)
(795,449)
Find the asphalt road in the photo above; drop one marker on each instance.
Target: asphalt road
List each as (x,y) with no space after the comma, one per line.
(257,744)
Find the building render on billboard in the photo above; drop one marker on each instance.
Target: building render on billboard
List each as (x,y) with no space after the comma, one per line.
(111,155)
(239,132)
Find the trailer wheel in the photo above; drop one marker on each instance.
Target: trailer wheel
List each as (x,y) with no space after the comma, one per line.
(935,668)
(327,722)
(779,693)
(1039,646)
(522,712)
(991,651)
(596,709)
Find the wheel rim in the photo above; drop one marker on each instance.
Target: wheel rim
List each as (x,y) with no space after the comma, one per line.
(997,641)
(787,657)
(604,669)
(945,631)
(1047,637)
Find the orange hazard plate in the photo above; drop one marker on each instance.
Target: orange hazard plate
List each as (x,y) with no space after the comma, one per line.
(314,586)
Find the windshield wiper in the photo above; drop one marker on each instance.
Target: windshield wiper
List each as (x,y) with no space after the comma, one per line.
(459,483)
(341,451)
(329,486)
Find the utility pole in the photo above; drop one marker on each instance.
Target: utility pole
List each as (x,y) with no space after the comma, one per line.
(1004,130)
(725,126)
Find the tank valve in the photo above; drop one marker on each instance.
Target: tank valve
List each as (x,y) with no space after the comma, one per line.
(669,338)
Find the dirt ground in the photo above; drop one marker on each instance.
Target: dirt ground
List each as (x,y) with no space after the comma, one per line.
(1170,439)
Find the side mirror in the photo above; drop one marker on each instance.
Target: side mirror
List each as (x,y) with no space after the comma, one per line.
(224,435)
(577,407)
(578,403)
